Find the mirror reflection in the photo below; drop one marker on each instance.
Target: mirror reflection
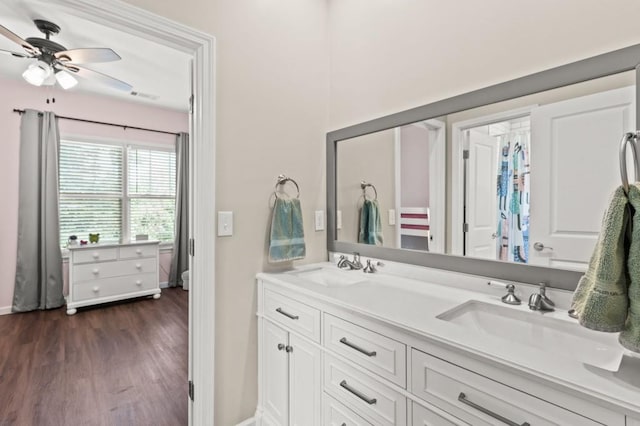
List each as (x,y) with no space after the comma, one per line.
(525,180)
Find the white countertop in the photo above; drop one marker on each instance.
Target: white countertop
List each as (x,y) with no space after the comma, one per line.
(107,245)
(413,304)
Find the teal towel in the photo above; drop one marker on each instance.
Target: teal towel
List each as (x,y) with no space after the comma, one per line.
(287,231)
(600,300)
(630,336)
(370,229)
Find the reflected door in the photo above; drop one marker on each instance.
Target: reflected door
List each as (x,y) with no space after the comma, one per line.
(574,170)
(481,203)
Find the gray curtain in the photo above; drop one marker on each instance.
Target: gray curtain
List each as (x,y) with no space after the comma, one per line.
(180,258)
(38,283)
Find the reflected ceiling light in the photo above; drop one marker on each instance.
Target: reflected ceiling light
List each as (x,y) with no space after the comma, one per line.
(37,73)
(65,79)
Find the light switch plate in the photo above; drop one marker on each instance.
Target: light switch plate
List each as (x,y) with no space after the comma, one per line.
(392,217)
(339,219)
(319,220)
(225,224)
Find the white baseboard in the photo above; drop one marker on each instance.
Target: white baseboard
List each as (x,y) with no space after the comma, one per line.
(5,310)
(248,422)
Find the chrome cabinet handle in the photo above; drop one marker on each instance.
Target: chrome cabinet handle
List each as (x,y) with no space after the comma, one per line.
(286,314)
(357,393)
(344,341)
(280,346)
(463,398)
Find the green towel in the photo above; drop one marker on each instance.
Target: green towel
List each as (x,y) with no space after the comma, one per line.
(370,229)
(287,231)
(600,300)
(630,336)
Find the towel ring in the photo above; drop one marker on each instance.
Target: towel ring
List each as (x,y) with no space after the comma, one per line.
(364,186)
(628,138)
(282,179)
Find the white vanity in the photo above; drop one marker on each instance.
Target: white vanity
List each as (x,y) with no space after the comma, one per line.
(109,272)
(418,346)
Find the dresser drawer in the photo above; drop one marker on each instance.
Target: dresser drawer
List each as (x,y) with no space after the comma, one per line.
(469,396)
(373,351)
(425,417)
(114,286)
(299,317)
(368,397)
(96,254)
(336,414)
(93,271)
(138,251)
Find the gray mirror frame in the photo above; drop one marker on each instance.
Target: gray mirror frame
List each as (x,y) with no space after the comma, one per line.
(614,62)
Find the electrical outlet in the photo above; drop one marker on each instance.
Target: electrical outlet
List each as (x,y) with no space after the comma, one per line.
(319,220)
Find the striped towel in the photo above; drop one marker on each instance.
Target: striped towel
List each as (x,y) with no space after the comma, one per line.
(287,231)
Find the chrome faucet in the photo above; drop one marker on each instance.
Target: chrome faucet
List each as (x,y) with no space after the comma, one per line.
(344,262)
(540,301)
(371,267)
(510,298)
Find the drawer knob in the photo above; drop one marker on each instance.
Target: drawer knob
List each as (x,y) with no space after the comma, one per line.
(138,251)
(138,282)
(344,341)
(288,348)
(96,289)
(463,398)
(357,393)
(96,271)
(280,346)
(95,255)
(138,266)
(287,314)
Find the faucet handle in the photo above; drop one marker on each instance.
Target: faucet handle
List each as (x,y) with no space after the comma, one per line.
(510,298)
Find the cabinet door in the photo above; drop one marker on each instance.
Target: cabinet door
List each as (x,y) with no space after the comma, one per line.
(426,417)
(276,374)
(305,387)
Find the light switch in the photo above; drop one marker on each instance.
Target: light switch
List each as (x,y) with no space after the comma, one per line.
(225,224)
(339,219)
(392,217)
(319,220)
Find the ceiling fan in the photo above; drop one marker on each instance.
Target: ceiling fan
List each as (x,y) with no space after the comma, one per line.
(55,63)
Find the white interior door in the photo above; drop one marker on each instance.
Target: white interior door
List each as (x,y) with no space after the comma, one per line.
(574,170)
(276,374)
(481,204)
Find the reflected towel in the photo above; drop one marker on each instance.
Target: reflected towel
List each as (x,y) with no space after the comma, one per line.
(287,232)
(370,229)
(600,300)
(630,336)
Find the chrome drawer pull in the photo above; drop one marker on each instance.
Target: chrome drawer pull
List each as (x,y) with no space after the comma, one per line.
(344,341)
(357,393)
(463,398)
(286,314)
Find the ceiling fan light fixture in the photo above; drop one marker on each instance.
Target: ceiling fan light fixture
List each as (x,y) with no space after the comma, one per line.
(65,79)
(37,73)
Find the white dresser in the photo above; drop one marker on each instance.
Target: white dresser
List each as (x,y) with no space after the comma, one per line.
(109,272)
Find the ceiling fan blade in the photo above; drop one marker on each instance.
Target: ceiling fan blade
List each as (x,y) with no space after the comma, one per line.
(85,56)
(14,38)
(19,55)
(114,83)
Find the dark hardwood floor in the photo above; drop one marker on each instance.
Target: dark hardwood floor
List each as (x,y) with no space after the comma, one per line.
(123,364)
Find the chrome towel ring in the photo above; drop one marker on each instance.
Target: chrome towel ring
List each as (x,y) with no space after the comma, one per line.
(282,179)
(364,185)
(633,139)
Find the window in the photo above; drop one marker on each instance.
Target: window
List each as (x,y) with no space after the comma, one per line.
(116,190)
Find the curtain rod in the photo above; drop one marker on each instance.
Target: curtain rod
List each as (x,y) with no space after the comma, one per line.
(124,126)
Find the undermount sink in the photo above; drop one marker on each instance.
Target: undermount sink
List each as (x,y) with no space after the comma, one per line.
(332,278)
(563,337)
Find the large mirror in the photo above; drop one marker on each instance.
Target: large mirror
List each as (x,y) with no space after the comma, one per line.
(521,181)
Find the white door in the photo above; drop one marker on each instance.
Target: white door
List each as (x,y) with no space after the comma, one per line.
(276,374)
(305,388)
(481,204)
(574,170)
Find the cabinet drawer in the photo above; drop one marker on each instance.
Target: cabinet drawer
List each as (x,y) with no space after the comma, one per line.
(471,397)
(93,271)
(137,251)
(114,286)
(91,254)
(299,317)
(368,397)
(373,351)
(425,417)
(336,414)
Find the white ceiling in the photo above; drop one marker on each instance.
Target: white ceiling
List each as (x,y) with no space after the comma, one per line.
(149,67)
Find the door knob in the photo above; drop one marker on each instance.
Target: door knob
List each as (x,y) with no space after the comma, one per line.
(538,246)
